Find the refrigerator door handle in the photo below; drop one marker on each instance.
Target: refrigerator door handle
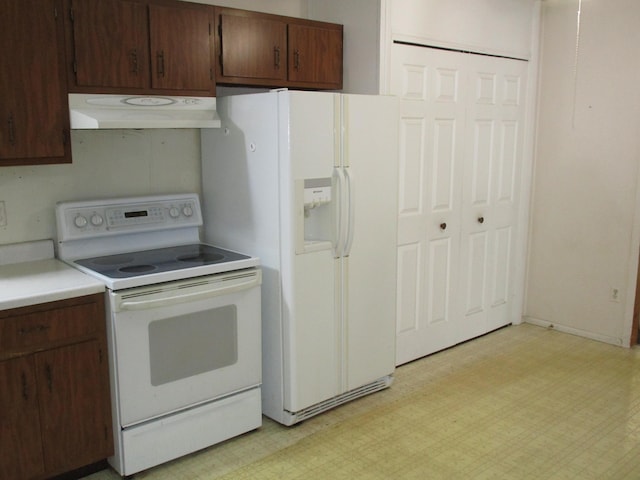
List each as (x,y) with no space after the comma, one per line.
(350,211)
(341,221)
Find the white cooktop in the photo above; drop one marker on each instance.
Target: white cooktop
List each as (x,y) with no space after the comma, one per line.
(138,241)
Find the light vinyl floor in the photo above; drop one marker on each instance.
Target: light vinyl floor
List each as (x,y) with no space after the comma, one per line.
(523,402)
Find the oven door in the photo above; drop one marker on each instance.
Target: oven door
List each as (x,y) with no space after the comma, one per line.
(184,343)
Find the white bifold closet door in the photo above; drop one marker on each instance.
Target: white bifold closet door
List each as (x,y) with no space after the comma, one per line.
(461,131)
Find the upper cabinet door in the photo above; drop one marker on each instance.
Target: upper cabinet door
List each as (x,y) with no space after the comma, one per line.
(140,47)
(268,50)
(181,47)
(34,123)
(110,41)
(261,53)
(315,54)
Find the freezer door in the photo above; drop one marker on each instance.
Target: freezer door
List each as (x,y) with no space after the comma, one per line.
(311,328)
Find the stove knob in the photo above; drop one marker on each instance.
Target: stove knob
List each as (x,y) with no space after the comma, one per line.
(96,220)
(174,212)
(80,221)
(188,211)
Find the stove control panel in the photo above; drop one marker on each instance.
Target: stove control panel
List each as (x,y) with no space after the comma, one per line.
(129,215)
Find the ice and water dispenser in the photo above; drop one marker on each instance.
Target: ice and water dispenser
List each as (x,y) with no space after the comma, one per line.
(317,226)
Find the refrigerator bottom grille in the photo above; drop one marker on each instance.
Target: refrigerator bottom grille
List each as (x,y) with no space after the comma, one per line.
(377,385)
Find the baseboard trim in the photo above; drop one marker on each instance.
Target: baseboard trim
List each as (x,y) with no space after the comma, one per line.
(574,331)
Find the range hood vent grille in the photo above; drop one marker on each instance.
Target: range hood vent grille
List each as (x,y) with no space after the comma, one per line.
(139,111)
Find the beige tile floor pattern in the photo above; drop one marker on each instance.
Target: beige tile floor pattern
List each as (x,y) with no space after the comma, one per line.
(523,402)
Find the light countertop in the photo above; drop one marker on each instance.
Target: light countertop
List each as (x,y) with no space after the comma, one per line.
(41,279)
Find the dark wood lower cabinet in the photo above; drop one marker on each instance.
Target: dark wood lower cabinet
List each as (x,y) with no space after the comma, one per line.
(21,452)
(54,389)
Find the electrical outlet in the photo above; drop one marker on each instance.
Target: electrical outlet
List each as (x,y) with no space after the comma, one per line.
(3,215)
(614,295)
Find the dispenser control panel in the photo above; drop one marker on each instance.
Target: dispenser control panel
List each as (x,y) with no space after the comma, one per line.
(317,191)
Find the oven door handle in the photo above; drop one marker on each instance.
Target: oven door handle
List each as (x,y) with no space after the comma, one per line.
(155,299)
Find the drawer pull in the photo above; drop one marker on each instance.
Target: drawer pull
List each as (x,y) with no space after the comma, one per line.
(296,60)
(12,130)
(133,58)
(49,376)
(25,387)
(160,66)
(34,329)
(276,57)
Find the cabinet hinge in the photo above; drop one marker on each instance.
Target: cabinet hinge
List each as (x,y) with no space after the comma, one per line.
(71,13)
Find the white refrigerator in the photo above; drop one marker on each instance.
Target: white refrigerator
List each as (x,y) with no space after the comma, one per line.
(307,181)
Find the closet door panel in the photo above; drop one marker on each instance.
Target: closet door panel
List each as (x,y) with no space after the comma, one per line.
(431,128)
(461,130)
(410,247)
(492,165)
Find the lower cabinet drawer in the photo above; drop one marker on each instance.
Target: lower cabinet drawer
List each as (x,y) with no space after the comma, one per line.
(42,328)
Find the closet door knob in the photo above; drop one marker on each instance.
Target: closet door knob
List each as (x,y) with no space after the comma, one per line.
(443,226)
(480,219)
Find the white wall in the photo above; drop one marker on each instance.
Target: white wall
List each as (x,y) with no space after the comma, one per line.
(584,226)
(362,36)
(499,27)
(105,163)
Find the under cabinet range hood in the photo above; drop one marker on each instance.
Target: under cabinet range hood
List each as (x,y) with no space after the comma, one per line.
(141,111)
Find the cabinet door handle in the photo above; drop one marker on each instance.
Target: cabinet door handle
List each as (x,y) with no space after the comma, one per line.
(133,57)
(276,57)
(443,226)
(160,57)
(480,219)
(25,387)
(33,329)
(12,130)
(48,373)
(296,59)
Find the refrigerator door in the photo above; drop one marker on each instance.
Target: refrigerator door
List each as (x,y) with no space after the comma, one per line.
(328,313)
(370,132)
(311,327)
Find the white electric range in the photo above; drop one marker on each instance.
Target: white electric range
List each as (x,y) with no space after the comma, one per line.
(183,323)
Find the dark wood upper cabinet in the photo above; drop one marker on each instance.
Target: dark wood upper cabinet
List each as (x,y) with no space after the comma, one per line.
(164,47)
(262,52)
(181,47)
(110,43)
(34,119)
(315,55)
(140,47)
(274,51)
